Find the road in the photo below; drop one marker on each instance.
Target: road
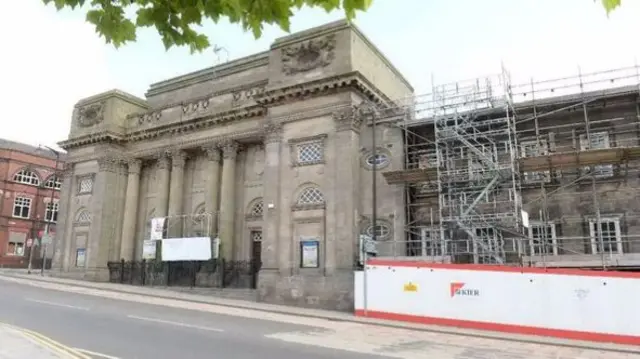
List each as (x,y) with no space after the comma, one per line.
(128,330)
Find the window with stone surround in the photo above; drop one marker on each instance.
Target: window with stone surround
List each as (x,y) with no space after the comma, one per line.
(608,239)
(256,209)
(27,176)
(53,182)
(310,198)
(534,148)
(382,159)
(308,150)
(85,184)
(51,212)
(543,239)
(597,141)
(83,217)
(382,231)
(21,207)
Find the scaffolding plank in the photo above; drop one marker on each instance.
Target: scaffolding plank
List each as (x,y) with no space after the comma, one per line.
(414,175)
(570,160)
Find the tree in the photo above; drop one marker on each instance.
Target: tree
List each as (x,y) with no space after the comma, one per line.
(610,5)
(176,20)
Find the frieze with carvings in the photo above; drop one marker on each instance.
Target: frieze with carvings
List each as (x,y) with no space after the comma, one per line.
(239,97)
(308,55)
(196,106)
(149,117)
(90,115)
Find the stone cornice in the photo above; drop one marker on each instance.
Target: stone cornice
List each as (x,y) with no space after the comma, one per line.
(352,80)
(91,139)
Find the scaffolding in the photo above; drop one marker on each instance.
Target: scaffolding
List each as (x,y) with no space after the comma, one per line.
(484,155)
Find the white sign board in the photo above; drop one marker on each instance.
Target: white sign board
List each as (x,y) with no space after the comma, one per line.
(149,249)
(186,249)
(157,228)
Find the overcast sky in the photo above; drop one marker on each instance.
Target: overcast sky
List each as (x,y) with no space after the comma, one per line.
(50,60)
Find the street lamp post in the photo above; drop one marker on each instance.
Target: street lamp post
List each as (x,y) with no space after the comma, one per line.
(47,226)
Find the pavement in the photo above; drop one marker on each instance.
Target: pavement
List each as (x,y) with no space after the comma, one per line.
(19,343)
(104,323)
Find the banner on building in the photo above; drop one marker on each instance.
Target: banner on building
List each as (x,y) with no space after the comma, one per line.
(186,249)
(157,228)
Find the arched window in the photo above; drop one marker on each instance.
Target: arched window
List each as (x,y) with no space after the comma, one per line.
(310,196)
(27,177)
(84,217)
(53,182)
(257,209)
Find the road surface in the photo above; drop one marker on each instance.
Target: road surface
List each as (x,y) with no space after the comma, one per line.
(120,329)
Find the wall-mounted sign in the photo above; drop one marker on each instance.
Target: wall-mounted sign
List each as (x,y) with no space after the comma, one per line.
(309,253)
(410,287)
(149,249)
(81,257)
(157,228)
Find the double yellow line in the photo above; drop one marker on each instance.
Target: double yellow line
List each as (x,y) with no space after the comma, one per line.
(63,350)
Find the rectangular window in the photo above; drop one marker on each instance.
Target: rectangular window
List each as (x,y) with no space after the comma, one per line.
(16,244)
(543,239)
(21,207)
(85,185)
(430,243)
(487,244)
(608,239)
(535,148)
(51,213)
(597,141)
(310,153)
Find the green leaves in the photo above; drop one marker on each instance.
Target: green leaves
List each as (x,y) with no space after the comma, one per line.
(610,5)
(176,20)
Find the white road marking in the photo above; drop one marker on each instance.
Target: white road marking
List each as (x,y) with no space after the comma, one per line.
(95,354)
(55,304)
(178,324)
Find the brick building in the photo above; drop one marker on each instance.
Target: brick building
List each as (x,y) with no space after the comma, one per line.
(27,184)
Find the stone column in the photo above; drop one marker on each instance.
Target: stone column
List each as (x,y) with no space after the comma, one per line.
(162,190)
(227,201)
(272,257)
(63,235)
(178,159)
(212,188)
(342,249)
(129,221)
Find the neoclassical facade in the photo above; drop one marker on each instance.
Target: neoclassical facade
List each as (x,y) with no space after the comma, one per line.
(273,148)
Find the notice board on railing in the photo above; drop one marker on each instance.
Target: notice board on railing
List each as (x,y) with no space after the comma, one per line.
(186,249)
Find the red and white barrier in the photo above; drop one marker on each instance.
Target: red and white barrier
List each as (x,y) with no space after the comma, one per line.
(572,304)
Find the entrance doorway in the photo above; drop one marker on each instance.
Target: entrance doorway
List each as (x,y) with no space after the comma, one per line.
(256,256)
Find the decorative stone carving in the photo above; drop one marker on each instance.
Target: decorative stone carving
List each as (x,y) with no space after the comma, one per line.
(178,158)
(347,119)
(272,132)
(308,55)
(134,166)
(149,117)
(196,106)
(244,95)
(229,149)
(163,160)
(90,115)
(109,164)
(212,152)
(67,170)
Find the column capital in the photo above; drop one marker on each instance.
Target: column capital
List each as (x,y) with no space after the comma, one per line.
(108,164)
(178,158)
(272,132)
(229,149)
(162,159)
(134,165)
(212,152)
(347,119)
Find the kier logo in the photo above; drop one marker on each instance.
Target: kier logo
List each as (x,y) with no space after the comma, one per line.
(458,289)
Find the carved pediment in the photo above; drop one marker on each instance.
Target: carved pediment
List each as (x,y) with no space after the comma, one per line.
(308,55)
(90,115)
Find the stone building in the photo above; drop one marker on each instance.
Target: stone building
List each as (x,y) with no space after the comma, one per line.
(276,147)
(28,182)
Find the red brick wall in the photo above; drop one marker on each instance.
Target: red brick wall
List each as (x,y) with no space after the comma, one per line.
(10,163)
